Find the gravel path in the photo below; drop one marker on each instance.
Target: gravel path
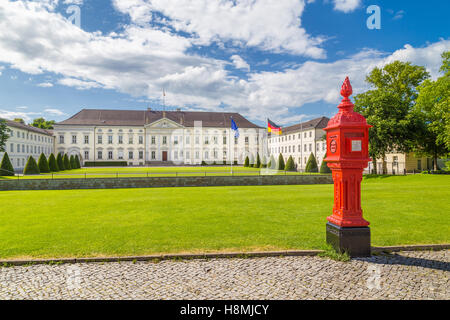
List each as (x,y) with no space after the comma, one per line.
(405,275)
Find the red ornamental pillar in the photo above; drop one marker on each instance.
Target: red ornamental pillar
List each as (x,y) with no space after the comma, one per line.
(347,156)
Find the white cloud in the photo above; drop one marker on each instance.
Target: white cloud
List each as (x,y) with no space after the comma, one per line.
(239,63)
(266,24)
(45,85)
(141,61)
(1,69)
(75,2)
(346,5)
(54,112)
(11,115)
(399,15)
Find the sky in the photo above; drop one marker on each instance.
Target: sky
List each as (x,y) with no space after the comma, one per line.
(278,59)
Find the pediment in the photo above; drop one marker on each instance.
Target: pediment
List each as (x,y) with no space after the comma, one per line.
(164,123)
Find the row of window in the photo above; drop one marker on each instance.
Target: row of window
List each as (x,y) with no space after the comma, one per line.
(30,136)
(176,155)
(306,148)
(289,137)
(22,148)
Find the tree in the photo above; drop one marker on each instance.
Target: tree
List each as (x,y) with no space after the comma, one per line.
(31,167)
(66,162)
(263,162)
(78,164)
(272,163)
(388,108)
(73,164)
(323,167)
(6,168)
(43,124)
(258,161)
(247,162)
(52,163)
(4,134)
(433,110)
(19,120)
(311,164)
(43,164)
(280,162)
(60,162)
(290,165)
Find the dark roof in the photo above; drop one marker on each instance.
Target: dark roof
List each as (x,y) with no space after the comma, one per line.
(98,117)
(318,123)
(22,126)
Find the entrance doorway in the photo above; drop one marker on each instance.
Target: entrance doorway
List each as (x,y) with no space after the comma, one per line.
(164,156)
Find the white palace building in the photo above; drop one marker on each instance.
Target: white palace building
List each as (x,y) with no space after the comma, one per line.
(146,137)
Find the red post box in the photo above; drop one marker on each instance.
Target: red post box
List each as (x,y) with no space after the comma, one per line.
(347,156)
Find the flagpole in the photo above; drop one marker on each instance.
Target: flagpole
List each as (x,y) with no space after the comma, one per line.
(229,151)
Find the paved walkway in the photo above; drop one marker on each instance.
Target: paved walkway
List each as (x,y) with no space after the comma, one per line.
(405,275)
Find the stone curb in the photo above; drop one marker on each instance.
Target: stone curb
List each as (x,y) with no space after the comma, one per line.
(288,253)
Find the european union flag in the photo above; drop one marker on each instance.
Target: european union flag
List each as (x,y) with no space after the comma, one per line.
(235,128)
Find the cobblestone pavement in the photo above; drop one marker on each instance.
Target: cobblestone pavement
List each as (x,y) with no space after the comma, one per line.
(405,275)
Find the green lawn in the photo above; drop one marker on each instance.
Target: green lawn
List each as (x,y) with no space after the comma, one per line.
(152,172)
(401,209)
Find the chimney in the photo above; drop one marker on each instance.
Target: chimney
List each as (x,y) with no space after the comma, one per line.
(164,114)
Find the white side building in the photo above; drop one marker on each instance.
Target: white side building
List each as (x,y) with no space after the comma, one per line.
(299,141)
(25,141)
(142,137)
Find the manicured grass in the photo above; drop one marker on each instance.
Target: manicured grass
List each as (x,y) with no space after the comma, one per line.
(153,172)
(50,224)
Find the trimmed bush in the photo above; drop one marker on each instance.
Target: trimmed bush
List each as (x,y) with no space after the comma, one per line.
(66,161)
(258,161)
(106,164)
(52,164)
(60,162)
(247,162)
(323,167)
(272,163)
(77,161)
(280,162)
(290,165)
(311,165)
(43,164)
(73,164)
(31,167)
(6,168)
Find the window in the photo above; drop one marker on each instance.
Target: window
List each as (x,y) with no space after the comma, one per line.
(304,135)
(206,140)
(119,155)
(86,155)
(100,139)
(246,139)
(99,155)
(206,155)
(188,140)
(86,139)
(164,140)
(224,140)
(299,148)
(130,154)
(215,139)
(304,148)
(310,134)
(153,155)
(74,139)
(310,147)
(235,140)
(110,139)
(153,140)
(130,139)
(188,154)
(175,140)
(18,148)
(141,139)
(197,140)
(110,155)
(197,155)
(12,147)
(120,139)
(61,139)
(18,162)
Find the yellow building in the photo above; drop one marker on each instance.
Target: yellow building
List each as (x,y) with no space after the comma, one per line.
(397,163)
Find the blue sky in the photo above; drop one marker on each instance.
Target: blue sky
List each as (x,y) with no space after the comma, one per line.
(282,59)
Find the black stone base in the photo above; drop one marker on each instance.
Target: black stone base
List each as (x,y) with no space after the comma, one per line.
(354,241)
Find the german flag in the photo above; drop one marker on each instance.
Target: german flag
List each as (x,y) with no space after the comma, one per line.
(273,128)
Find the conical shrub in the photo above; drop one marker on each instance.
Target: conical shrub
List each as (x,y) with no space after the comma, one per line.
(31,167)
(6,168)
(52,164)
(66,161)
(272,163)
(311,165)
(257,162)
(280,162)
(43,164)
(323,167)
(290,165)
(247,162)
(77,162)
(60,162)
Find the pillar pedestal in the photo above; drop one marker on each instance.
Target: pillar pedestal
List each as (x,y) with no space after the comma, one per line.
(353,240)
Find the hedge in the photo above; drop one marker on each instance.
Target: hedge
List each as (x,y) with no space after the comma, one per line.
(106,164)
(280,162)
(31,167)
(52,163)
(43,164)
(77,161)
(6,168)
(290,165)
(323,167)
(66,162)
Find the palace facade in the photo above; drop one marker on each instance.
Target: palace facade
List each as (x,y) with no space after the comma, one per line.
(142,137)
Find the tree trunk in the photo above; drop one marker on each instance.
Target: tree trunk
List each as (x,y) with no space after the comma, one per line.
(384,163)
(374,164)
(435,166)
